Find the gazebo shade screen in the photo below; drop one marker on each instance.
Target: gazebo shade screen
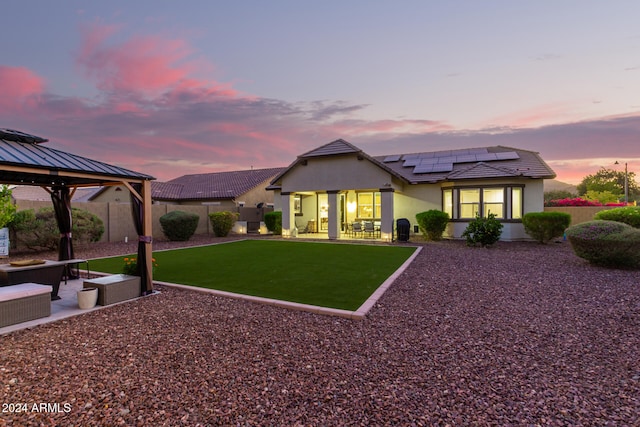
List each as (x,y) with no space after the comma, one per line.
(25,161)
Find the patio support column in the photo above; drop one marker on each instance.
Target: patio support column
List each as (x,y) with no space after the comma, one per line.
(334,221)
(288,218)
(386,218)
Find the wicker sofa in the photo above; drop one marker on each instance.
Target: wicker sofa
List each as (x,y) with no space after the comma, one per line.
(24,302)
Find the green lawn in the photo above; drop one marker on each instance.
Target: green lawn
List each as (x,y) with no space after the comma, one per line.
(329,275)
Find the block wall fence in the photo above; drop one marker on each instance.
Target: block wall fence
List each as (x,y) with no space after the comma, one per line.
(118,220)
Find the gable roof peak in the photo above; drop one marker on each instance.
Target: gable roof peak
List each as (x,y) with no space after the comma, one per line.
(339,146)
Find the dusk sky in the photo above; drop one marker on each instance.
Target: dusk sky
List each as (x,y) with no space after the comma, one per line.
(171,88)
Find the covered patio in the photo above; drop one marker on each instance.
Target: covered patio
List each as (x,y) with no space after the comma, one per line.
(24,160)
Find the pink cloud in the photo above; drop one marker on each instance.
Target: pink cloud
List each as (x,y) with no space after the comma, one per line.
(149,65)
(20,88)
(532,117)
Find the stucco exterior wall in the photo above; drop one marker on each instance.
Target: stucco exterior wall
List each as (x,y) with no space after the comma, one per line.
(336,173)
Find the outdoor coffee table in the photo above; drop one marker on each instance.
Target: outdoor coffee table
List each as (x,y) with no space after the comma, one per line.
(115,288)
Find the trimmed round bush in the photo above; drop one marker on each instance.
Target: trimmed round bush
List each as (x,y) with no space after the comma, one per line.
(544,226)
(628,215)
(432,223)
(606,243)
(273,222)
(222,222)
(179,226)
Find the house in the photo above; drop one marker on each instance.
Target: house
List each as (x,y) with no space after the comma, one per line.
(226,190)
(327,189)
(21,193)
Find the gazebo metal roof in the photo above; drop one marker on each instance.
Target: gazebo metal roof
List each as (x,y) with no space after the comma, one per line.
(24,160)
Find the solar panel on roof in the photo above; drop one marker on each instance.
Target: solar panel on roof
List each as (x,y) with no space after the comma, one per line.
(465,158)
(411,162)
(443,167)
(447,159)
(436,167)
(486,157)
(393,158)
(423,169)
(507,155)
(426,155)
(429,161)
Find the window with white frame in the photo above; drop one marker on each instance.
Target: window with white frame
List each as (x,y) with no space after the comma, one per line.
(505,202)
(369,205)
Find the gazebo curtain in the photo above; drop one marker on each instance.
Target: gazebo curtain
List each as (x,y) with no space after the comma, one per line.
(60,196)
(137,209)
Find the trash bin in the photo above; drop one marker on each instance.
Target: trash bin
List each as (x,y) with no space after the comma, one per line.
(403,227)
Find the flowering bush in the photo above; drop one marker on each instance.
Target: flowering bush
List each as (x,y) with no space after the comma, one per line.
(607,243)
(131,266)
(576,201)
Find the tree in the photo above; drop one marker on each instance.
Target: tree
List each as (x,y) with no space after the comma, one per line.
(557,195)
(609,180)
(7,208)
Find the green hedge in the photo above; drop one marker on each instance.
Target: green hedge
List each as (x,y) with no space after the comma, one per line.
(179,226)
(544,226)
(38,230)
(273,222)
(222,222)
(432,223)
(606,243)
(628,215)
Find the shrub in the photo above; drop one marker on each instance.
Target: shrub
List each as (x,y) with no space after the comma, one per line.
(485,231)
(432,223)
(606,243)
(628,215)
(179,226)
(222,222)
(577,201)
(39,230)
(7,208)
(544,226)
(273,221)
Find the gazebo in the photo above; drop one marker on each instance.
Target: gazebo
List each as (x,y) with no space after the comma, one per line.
(25,161)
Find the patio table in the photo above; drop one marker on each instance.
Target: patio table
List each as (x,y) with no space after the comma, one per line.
(45,273)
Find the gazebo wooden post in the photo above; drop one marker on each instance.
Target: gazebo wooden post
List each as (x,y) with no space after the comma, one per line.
(147,229)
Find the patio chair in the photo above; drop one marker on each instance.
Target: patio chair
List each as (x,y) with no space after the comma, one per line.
(356,228)
(370,229)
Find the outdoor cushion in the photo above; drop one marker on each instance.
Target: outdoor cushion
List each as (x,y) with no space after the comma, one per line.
(27,262)
(23,290)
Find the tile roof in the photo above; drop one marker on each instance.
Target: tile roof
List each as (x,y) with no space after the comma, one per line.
(339,146)
(212,186)
(475,163)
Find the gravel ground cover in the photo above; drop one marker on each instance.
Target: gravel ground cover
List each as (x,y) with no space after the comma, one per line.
(519,334)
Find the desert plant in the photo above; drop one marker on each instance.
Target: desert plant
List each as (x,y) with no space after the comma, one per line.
(544,226)
(179,226)
(432,223)
(483,230)
(628,215)
(222,222)
(606,243)
(273,222)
